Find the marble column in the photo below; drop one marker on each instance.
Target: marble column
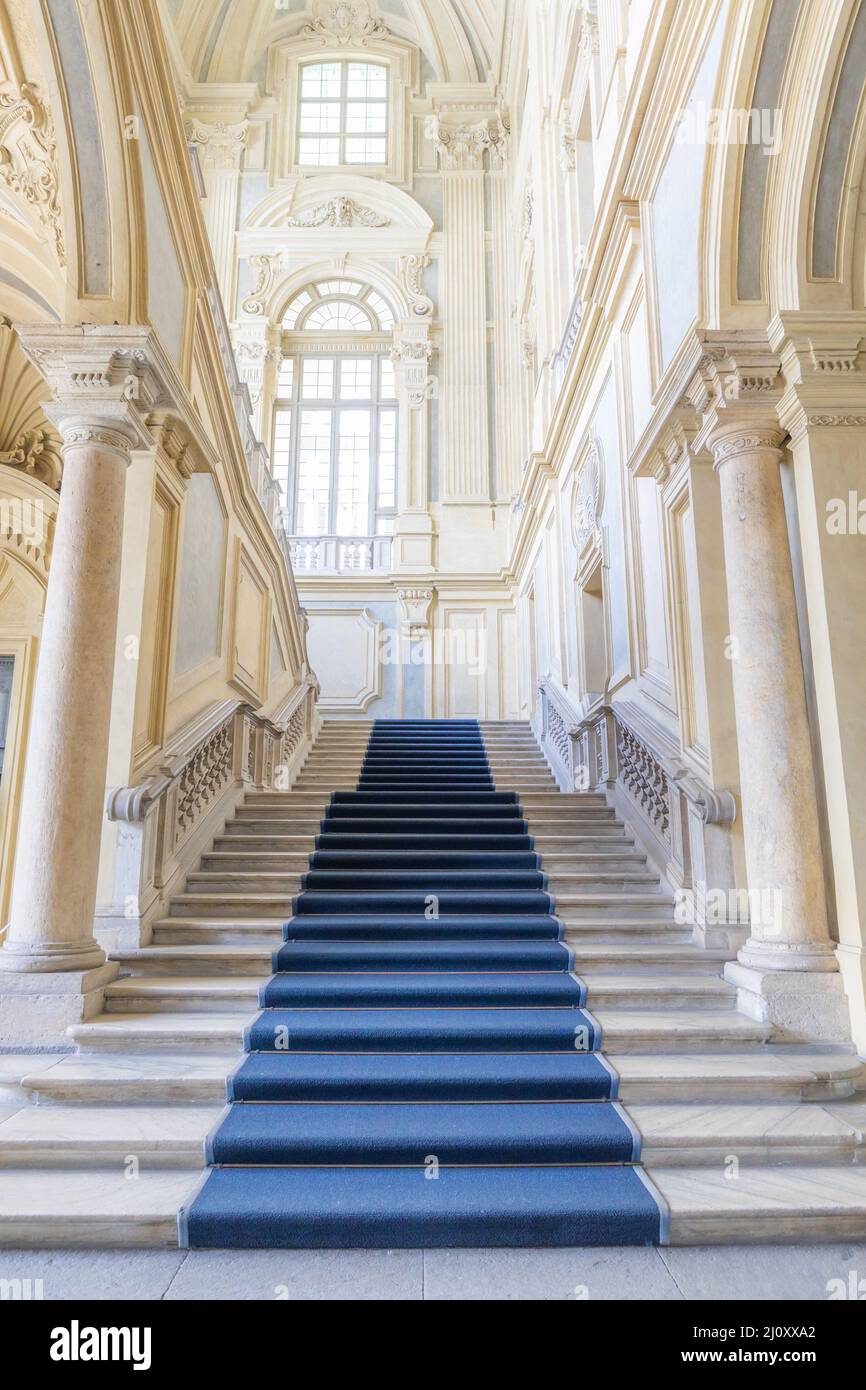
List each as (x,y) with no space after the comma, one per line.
(51,968)
(786,972)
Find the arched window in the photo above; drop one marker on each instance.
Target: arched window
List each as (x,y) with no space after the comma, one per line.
(335,415)
(343,114)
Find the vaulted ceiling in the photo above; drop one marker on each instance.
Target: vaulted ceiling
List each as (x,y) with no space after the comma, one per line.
(227,40)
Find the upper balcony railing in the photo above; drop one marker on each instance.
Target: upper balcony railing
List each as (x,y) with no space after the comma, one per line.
(341,554)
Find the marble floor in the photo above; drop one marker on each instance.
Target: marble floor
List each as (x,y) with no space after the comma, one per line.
(792,1272)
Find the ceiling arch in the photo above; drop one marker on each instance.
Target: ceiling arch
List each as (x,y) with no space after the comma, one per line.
(227,40)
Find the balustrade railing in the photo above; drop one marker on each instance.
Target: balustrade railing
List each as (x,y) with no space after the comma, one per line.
(341,554)
(173,813)
(681,821)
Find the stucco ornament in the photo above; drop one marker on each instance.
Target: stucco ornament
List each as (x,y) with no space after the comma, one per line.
(344,23)
(340,212)
(587,500)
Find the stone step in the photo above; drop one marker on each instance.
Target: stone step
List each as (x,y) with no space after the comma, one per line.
(564,883)
(574,906)
(688,1134)
(244,861)
(83,1207)
(244,905)
(132,1079)
(259,844)
(777,1204)
(244,959)
(269,931)
(765,1073)
(684,1134)
(630,932)
(183,993)
(625,1030)
(183,960)
(194,931)
(623,989)
(94,1135)
(303,827)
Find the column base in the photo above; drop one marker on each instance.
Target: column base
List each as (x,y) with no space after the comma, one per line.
(39,1006)
(802,1006)
(47,957)
(816,956)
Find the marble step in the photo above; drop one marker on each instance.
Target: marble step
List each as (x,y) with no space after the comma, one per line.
(244,841)
(772,1203)
(269,930)
(213,930)
(575,906)
(256,960)
(184,960)
(772,1073)
(622,989)
(563,884)
(625,1030)
(627,930)
(133,1078)
(92,1206)
(245,905)
(95,1135)
(264,844)
(683,1134)
(249,862)
(246,861)
(694,1133)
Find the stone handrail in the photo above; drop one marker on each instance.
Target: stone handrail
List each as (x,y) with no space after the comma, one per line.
(195,782)
(681,821)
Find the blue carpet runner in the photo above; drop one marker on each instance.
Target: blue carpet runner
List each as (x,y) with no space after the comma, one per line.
(423,1071)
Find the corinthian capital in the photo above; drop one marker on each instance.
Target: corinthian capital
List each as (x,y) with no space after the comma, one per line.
(221,144)
(462,147)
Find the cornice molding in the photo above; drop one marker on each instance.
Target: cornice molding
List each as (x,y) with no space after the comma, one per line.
(104,381)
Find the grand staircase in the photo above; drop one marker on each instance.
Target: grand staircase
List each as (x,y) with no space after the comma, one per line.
(479,1050)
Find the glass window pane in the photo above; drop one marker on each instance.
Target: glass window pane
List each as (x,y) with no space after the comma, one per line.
(381,310)
(388,382)
(286,383)
(312,150)
(356,379)
(320,119)
(365,118)
(297,304)
(339,316)
(318,379)
(280,458)
(353,473)
(361,150)
(329,287)
(321,80)
(314,473)
(367,80)
(387,460)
